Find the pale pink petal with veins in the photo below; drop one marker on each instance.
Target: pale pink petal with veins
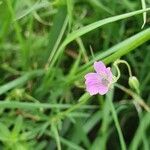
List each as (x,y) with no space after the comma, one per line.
(100,67)
(99,82)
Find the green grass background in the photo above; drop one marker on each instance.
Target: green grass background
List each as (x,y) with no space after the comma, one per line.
(45,51)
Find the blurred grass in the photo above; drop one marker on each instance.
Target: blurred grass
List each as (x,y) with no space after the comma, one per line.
(45,53)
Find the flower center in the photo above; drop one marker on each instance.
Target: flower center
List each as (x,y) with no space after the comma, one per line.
(105,82)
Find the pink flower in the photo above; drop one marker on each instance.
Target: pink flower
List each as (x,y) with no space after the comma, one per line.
(100,81)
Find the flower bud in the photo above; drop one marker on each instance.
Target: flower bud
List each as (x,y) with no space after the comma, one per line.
(134,83)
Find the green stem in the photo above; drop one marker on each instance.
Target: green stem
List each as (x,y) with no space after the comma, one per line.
(136,97)
(118,72)
(122,142)
(29,105)
(56,134)
(144,13)
(75,34)
(117,68)
(24,50)
(83,99)
(128,66)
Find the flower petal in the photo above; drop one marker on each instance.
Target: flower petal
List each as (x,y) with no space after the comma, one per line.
(94,84)
(91,76)
(92,90)
(96,88)
(109,74)
(103,90)
(100,67)
(100,81)
(93,80)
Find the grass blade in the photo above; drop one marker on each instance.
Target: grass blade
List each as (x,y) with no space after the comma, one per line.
(75,34)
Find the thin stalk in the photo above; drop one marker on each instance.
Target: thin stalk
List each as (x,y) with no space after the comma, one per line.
(128,66)
(63,114)
(122,142)
(29,105)
(144,13)
(137,98)
(24,51)
(57,138)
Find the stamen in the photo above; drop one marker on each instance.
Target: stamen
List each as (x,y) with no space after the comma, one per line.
(105,81)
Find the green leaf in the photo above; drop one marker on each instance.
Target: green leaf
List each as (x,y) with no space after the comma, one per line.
(4,132)
(19,81)
(115,52)
(83,30)
(38,5)
(17,126)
